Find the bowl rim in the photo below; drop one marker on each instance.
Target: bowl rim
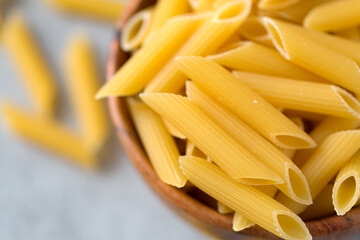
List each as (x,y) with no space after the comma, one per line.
(129,140)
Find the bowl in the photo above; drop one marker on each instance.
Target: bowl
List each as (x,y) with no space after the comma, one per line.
(191,203)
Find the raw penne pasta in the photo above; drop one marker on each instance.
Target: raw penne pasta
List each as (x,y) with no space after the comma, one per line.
(241,222)
(346,191)
(83,80)
(303,95)
(254,29)
(313,117)
(30,63)
(148,61)
(173,130)
(245,103)
(209,37)
(192,150)
(158,143)
(324,163)
(246,200)
(218,3)
(48,134)
(325,128)
(276,4)
(136,29)
(334,15)
(350,34)
(314,56)
(295,185)
(223,209)
(165,9)
(253,57)
(201,5)
(211,139)
(108,10)
(289,153)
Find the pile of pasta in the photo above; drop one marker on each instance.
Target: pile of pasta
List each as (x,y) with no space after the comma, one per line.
(265,95)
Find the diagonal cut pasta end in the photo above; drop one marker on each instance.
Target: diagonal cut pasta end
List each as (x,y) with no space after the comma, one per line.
(290,226)
(233,11)
(350,102)
(292,141)
(240,222)
(276,37)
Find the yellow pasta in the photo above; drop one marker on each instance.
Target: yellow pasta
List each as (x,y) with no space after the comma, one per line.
(158,143)
(148,61)
(324,163)
(303,95)
(48,134)
(334,15)
(108,10)
(314,56)
(223,209)
(218,3)
(253,57)
(209,37)
(327,127)
(201,5)
(289,153)
(313,117)
(240,222)
(346,191)
(173,130)
(192,150)
(30,63)
(246,104)
(246,200)
(211,139)
(165,9)
(350,34)
(83,81)
(276,4)
(136,29)
(254,29)
(295,185)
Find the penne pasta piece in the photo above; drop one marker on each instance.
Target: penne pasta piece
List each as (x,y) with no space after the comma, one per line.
(254,29)
(159,145)
(346,191)
(223,209)
(325,128)
(350,34)
(165,9)
(192,150)
(144,65)
(136,29)
(211,139)
(246,104)
(303,95)
(334,15)
(276,4)
(108,10)
(313,117)
(48,134)
(240,222)
(246,200)
(289,153)
(314,56)
(253,57)
(20,44)
(209,37)
(82,83)
(324,163)
(201,5)
(173,130)
(295,185)
(218,3)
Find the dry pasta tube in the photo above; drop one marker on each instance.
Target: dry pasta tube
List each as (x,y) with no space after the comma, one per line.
(83,80)
(246,104)
(158,143)
(223,209)
(303,95)
(148,61)
(211,139)
(173,130)
(253,29)
(334,15)
(30,63)
(350,34)
(313,55)
(48,134)
(108,10)
(295,185)
(136,29)
(325,128)
(201,5)
(207,39)
(192,150)
(289,153)
(246,200)
(276,4)
(253,57)
(346,191)
(326,161)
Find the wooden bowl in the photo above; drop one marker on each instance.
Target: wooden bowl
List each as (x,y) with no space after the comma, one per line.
(192,201)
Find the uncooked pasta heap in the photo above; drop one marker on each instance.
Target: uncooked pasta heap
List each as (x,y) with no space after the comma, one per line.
(265,95)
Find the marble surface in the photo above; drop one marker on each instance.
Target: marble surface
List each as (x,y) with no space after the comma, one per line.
(42,196)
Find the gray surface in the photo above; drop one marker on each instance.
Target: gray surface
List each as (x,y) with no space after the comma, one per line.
(42,197)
